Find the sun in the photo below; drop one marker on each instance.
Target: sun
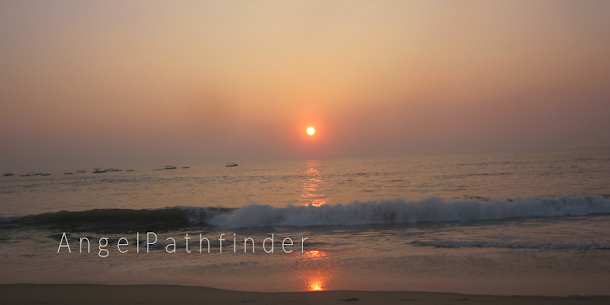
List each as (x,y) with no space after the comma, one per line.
(311,131)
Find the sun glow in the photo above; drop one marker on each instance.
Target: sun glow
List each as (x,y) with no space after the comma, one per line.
(311,131)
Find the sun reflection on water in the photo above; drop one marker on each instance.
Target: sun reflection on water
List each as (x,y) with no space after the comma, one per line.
(312,185)
(315,269)
(315,285)
(314,254)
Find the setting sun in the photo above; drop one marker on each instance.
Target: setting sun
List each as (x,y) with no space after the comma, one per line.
(311,131)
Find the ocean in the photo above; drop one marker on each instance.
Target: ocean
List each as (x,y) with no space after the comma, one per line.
(513,223)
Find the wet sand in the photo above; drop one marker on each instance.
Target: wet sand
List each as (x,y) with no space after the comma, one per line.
(165,294)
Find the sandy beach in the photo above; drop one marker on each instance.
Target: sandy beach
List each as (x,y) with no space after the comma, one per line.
(162,294)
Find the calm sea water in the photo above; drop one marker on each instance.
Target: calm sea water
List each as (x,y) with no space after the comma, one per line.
(497,223)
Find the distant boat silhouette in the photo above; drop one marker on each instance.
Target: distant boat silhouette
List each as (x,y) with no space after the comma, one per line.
(231,164)
(45,174)
(97,171)
(185,167)
(169,167)
(26,175)
(7,174)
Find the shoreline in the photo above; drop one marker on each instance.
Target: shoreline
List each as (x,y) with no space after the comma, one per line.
(162,294)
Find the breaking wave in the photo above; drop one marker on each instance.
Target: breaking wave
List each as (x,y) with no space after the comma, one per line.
(386,211)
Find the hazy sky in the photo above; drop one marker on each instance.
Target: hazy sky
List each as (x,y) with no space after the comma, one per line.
(148,83)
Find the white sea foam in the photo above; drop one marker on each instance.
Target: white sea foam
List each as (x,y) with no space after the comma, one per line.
(399,210)
(512,245)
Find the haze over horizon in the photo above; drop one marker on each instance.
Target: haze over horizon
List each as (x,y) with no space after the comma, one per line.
(147,83)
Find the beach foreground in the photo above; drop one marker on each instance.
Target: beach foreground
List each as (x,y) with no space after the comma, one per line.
(162,294)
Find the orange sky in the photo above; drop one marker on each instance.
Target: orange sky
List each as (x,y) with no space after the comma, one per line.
(149,83)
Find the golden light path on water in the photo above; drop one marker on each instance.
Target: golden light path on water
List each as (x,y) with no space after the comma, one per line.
(315,270)
(315,267)
(312,185)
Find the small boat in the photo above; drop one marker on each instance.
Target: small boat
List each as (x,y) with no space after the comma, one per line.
(169,167)
(68,173)
(7,174)
(45,174)
(185,167)
(37,174)
(231,164)
(158,169)
(26,175)
(80,171)
(98,171)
